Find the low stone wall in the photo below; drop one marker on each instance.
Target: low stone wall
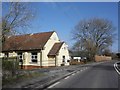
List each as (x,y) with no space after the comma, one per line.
(30,67)
(102,58)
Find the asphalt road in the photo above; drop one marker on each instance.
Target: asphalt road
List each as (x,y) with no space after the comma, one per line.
(102,75)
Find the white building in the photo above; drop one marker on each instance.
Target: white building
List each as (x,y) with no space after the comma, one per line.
(37,50)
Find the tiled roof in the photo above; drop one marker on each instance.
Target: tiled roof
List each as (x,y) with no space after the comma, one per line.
(55,49)
(26,42)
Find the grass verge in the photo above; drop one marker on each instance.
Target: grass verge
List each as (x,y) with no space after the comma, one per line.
(21,78)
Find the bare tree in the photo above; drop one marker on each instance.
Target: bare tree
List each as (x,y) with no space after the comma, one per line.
(94,35)
(17,18)
(107,52)
(118,55)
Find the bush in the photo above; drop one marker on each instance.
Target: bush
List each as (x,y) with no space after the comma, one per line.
(10,68)
(76,62)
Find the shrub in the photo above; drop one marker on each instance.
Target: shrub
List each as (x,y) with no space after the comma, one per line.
(10,68)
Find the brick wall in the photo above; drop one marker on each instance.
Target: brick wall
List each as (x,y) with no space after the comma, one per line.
(102,58)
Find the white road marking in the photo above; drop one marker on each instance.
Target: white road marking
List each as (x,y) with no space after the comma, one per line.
(67,77)
(73,74)
(115,65)
(53,84)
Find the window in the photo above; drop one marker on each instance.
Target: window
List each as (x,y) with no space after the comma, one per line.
(68,60)
(6,55)
(34,56)
(20,57)
(63,58)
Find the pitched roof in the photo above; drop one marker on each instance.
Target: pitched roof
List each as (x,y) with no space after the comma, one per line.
(26,42)
(55,49)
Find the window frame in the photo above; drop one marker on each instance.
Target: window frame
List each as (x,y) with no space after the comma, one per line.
(20,56)
(6,54)
(34,57)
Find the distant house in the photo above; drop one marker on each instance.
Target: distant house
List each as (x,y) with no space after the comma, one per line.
(78,59)
(37,50)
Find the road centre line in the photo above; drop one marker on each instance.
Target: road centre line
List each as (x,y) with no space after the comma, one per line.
(53,84)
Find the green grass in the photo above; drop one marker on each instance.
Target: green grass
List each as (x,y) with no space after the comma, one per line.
(20,78)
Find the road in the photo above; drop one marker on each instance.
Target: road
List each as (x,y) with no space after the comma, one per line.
(102,75)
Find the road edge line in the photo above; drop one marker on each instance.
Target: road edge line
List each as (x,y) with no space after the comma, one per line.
(53,85)
(115,66)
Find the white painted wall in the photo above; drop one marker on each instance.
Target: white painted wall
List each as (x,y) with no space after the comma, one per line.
(27,58)
(63,52)
(1,55)
(12,54)
(53,39)
(51,61)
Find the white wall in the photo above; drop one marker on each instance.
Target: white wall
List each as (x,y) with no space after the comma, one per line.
(53,39)
(27,58)
(51,61)
(1,55)
(63,52)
